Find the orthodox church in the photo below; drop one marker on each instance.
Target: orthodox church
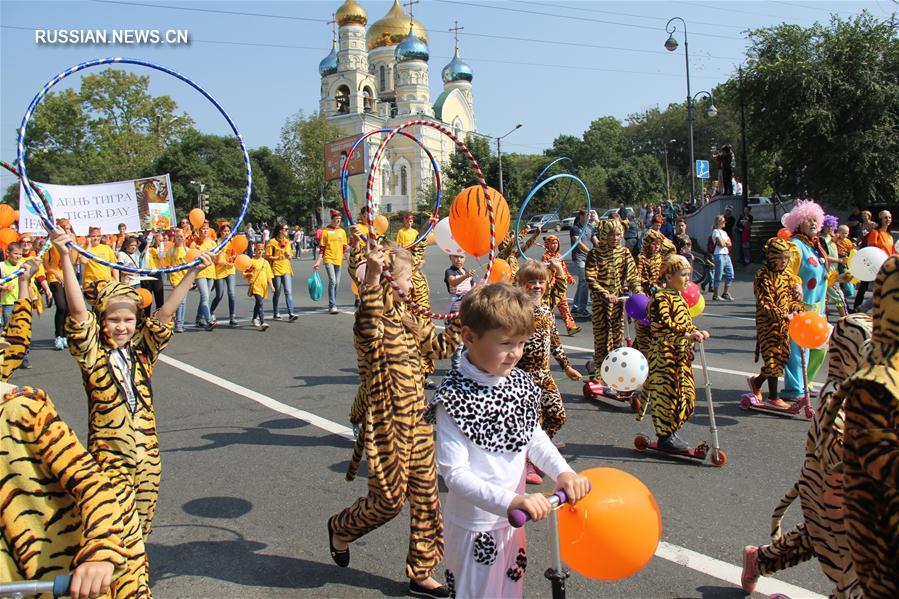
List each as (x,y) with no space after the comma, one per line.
(377,78)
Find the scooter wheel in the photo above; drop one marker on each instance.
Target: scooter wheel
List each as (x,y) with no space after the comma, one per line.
(745,403)
(808,412)
(641,443)
(719,458)
(636,404)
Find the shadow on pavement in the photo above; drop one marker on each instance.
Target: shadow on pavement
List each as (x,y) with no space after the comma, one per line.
(316,381)
(218,507)
(238,561)
(261,435)
(710,592)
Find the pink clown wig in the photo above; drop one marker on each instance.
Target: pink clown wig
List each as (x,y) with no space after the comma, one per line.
(803,211)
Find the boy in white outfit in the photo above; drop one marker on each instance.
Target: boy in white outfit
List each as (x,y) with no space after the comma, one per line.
(487,413)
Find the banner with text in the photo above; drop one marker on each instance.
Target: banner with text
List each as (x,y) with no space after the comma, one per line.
(139,203)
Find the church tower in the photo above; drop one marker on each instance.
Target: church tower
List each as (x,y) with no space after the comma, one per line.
(350,89)
(455,105)
(413,94)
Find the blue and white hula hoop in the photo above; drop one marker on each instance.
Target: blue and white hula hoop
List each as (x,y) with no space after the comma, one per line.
(344,175)
(567,191)
(50,226)
(534,191)
(49,210)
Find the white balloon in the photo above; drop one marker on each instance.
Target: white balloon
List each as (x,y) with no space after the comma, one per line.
(624,369)
(867,262)
(444,237)
(783,219)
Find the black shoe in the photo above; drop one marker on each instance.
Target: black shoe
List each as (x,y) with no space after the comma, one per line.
(292,317)
(341,558)
(416,589)
(672,443)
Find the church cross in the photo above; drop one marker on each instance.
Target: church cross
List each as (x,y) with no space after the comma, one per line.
(455,31)
(408,4)
(332,23)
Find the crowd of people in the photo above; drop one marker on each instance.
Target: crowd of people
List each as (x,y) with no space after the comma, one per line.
(488,427)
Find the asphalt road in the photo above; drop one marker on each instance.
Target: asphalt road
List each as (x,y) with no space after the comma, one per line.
(254,451)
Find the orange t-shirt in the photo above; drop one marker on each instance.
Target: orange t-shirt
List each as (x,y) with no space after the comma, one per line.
(880,239)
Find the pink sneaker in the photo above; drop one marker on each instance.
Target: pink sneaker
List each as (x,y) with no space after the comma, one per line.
(757,391)
(531,476)
(750,574)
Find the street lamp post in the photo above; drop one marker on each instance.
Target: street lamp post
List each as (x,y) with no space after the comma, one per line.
(667,172)
(499,155)
(671,46)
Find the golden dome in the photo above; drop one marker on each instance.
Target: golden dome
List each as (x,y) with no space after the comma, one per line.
(351,13)
(393,28)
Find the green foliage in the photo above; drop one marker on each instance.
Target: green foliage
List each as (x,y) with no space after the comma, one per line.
(824,102)
(459,174)
(302,147)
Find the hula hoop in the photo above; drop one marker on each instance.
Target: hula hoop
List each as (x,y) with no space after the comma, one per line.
(479,175)
(15,274)
(567,191)
(50,226)
(533,192)
(344,176)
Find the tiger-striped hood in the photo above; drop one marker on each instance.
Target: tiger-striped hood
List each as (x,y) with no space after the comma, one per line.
(849,346)
(886,312)
(774,247)
(606,228)
(651,236)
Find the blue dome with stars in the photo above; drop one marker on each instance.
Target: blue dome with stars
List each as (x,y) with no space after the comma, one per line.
(412,48)
(457,70)
(328,65)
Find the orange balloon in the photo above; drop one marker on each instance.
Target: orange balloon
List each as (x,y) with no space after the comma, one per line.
(501,272)
(15,216)
(7,215)
(242,262)
(809,330)
(146,298)
(381,224)
(239,244)
(785,234)
(614,530)
(354,289)
(469,219)
(7,236)
(197,217)
(191,255)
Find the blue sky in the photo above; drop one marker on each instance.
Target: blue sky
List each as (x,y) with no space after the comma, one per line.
(570,61)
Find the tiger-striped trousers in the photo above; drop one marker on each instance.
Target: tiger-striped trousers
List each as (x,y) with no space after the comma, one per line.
(552,408)
(608,329)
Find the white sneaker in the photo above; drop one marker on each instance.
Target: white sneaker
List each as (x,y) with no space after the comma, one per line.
(256,322)
(59,343)
(332,310)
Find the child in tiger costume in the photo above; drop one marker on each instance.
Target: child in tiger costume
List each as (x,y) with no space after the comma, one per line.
(609,268)
(533,277)
(670,385)
(776,300)
(871,448)
(555,298)
(649,265)
(822,533)
(116,348)
(421,295)
(398,444)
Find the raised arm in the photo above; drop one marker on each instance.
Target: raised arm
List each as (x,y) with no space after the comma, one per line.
(168,309)
(77,308)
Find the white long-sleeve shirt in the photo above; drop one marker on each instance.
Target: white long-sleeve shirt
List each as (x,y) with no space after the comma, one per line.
(483,483)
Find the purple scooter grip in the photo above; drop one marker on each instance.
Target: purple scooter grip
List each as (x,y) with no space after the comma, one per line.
(518,518)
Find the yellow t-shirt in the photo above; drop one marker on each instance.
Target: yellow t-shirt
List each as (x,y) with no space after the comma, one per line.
(278,253)
(405,237)
(333,244)
(258,276)
(52,266)
(175,257)
(209,271)
(93,270)
(10,289)
(153,260)
(224,263)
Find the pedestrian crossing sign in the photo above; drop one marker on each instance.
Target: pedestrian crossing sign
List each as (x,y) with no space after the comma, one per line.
(702,169)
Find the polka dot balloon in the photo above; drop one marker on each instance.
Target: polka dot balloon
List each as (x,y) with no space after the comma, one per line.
(624,369)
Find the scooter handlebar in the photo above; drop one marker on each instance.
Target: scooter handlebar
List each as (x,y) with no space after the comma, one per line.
(518,518)
(59,586)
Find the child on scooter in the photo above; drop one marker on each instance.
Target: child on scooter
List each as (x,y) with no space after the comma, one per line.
(670,385)
(487,415)
(776,300)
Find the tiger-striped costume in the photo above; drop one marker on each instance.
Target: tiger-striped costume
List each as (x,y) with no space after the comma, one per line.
(774,301)
(556,294)
(18,335)
(59,509)
(649,264)
(670,385)
(398,444)
(421,293)
(819,488)
(507,250)
(117,438)
(535,361)
(609,268)
(871,448)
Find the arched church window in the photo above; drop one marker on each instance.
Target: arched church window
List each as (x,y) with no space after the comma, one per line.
(368,100)
(382,78)
(342,98)
(404,181)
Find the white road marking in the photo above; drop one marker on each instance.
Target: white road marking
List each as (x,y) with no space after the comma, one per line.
(674,553)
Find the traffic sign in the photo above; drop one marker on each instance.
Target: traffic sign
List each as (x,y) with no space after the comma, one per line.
(702,169)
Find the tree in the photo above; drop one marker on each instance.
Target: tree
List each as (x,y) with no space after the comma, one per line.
(302,147)
(458,174)
(824,102)
(109,130)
